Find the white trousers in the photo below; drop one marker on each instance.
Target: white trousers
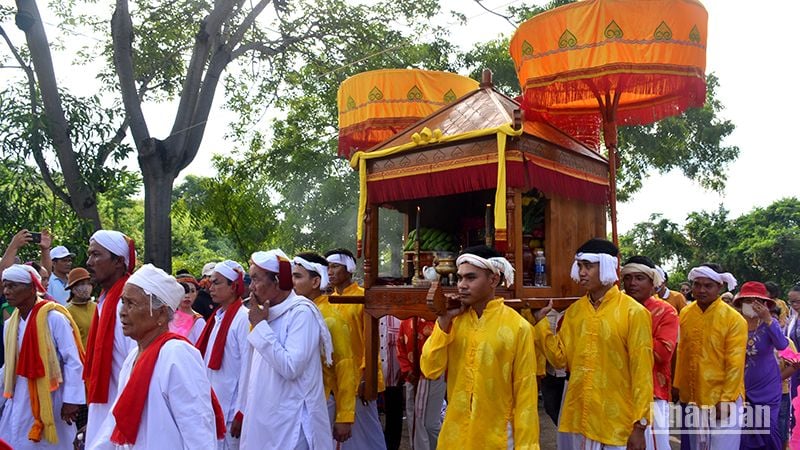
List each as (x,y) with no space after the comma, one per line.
(424,412)
(656,437)
(367,431)
(724,435)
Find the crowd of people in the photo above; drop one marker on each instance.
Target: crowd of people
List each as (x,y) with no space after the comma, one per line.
(264,357)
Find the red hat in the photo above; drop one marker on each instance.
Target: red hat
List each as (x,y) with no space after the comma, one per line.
(756,290)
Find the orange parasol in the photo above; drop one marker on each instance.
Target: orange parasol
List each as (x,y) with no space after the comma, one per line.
(615,62)
(375,105)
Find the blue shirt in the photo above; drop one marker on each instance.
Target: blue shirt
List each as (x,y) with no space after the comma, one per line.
(58,289)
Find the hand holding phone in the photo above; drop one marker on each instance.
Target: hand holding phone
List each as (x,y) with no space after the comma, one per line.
(36,237)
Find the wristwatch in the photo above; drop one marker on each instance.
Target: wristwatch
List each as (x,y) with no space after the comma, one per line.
(642,423)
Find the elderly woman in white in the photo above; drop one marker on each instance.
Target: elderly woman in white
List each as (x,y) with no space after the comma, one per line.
(165,398)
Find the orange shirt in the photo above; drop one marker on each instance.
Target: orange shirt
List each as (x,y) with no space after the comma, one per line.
(676,299)
(665,336)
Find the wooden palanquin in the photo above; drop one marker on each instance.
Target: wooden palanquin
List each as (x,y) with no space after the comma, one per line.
(452,181)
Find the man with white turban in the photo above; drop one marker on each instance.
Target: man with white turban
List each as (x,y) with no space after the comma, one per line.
(606,341)
(367,431)
(310,278)
(223,344)
(641,278)
(709,371)
(282,397)
(487,350)
(165,400)
(112,258)
(42,350)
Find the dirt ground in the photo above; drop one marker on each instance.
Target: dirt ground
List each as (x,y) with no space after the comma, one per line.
(547,434)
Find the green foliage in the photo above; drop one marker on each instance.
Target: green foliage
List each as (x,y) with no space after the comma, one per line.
(761,245)
(691,142)
(318,192)
(234,203)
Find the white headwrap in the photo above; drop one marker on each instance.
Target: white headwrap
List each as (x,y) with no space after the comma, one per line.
(608,267)
(505,268)
(477,261)
(116,243)
(21,273)
(229,269)
(341,258)
(155,281)
(272,261)
(708,272)
(314,267)
(653,273)
(269,260)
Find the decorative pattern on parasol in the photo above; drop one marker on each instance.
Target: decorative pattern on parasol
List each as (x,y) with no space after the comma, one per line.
(375,105)
(612,62)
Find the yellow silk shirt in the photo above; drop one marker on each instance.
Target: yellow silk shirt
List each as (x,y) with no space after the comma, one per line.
(353,316)
(337,378)
(491,379)
(711,354)
(541,360)
(609,355)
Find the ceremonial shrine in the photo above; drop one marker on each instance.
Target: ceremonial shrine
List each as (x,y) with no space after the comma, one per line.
(474,172)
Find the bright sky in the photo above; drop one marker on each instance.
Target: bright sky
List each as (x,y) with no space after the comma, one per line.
(749,50)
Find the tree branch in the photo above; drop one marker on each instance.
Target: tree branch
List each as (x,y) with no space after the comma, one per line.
(248,21)
(122,38)
(36,140)
(205,40)
(507,18)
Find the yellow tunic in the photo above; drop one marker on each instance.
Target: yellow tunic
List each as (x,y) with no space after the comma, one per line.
(353,315)
(711,354)
(609,355)
(337,378)
(491,379)
(82,314)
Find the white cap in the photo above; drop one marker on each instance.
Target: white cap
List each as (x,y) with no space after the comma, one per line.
(155,281)
(60,252)
(208,269)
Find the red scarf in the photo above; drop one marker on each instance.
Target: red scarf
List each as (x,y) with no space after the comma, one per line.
(219,344)
(129,407)
(29,364)
(100,346)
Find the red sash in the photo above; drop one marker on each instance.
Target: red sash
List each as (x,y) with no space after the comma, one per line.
(215,362)
(129,407)
(100,346)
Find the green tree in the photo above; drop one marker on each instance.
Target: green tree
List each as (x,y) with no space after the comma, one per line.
(317,192)
(235,204)
(183,49)
(659,239)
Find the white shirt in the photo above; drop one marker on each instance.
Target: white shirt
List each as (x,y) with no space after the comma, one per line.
(123,345)
(177,413)
(283,384)
(17,419)
(225,381)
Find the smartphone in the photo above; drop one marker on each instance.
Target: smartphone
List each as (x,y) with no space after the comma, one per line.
(36,237)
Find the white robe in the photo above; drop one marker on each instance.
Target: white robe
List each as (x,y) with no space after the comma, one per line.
(196,330)
(283,391)
(178,413)
(225,381)
(122,346)
(16,418)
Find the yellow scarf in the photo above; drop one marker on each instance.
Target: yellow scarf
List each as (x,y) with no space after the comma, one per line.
(39,388)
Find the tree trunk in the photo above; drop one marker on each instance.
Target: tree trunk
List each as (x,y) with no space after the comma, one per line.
(83,198)
(158,176)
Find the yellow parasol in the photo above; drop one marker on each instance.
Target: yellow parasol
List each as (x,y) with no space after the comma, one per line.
(375,105)
(615,62)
